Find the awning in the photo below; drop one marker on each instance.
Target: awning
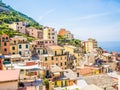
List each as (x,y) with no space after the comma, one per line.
(28,67)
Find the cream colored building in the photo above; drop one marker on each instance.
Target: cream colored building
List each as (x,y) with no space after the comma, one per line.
(50,33)
(23,46)
(19,26)
(90,45)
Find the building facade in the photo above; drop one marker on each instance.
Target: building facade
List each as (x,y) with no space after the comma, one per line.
(90,45)
(19,26)
(55,56)
(33,32)
(5,44)
(66,34)
(13,46)
(50,33)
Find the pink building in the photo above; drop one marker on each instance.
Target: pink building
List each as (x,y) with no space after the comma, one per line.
(43,43)
(21,27)
(33,32)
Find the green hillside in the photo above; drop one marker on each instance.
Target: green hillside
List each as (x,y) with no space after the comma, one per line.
(8,15)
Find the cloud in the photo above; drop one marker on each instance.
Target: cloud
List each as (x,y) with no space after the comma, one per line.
(89,16)
(46,14)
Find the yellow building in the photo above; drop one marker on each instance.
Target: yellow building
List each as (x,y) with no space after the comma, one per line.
(14,46)
(50,33)
(62,78)
(55,56)
(74,51)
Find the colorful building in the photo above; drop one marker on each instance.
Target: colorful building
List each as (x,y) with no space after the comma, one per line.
(1,63)
(19,26)
(90,45)
(55,56)
(66,34)
(61,78)
(50,33)
(33,32)
(76,52)
(5,44)
(9,79)
(13,46)
(23,46)
(62,32)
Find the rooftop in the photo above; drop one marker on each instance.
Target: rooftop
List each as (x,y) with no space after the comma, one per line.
(70,46)
(55,68)
(101,80)
(70,74)
(91,87)
(55,47)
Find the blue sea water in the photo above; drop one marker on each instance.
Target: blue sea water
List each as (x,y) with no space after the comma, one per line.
(110,46)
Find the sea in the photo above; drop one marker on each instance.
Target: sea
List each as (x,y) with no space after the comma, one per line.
(110,46)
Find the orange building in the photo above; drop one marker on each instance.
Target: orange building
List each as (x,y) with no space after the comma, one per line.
(1,64)
(62,31)
(66,34)
(5,44)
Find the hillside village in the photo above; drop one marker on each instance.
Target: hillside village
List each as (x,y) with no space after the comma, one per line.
(56,65)
(40,58)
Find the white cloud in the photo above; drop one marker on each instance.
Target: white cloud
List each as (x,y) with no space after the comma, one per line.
(89,16)
(46,14)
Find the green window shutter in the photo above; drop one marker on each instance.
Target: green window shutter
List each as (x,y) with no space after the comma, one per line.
(20,46)
(26,45)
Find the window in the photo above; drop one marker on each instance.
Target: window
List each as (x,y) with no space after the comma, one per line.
(65,57)
(62,52)
(78,75)
(52,58)
(26,45)
(20,46)
(14,42)
(5,49)
(56,58)
(61,64)
(3,39)
(38,51)
(20,52)
(61,58)
(65,63)
(48,33)
(53,34)
(52,37)
(57,64)
(13,48)
(45,58)
(5,44)
(55,52)
(6,38)
(13,53)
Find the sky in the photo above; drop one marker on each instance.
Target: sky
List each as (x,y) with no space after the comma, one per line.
(99,19)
